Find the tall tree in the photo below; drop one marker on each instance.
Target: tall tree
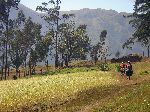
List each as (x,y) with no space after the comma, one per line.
(53,20)
(117,54)
(95,52)
(5,6)
(41,47)
(140,21)
(103,46)
(74,43)
(66,30)
(16,51)
(81,43)
(100,49)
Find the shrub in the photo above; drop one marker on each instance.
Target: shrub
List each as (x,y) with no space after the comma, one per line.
(104,67)
(118,68)
(15,77)
(144,72)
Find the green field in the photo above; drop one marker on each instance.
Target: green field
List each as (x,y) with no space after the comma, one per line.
(48,91)
(79,89)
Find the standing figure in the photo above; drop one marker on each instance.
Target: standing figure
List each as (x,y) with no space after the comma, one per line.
(122,68)
(129,70)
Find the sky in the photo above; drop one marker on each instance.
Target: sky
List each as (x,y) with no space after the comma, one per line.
(66,5)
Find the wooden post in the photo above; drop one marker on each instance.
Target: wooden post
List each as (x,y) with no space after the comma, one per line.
(143,54)
(19,73)
(24,73)
(8,71)
(41,71)
(148,51)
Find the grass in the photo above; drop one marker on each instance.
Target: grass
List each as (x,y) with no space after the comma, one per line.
(71,70)
(75,89)
(129,99)
(45,93)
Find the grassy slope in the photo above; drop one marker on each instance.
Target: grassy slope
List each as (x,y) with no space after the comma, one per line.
(133,98)
(130,96)
(85,91)
(46,93)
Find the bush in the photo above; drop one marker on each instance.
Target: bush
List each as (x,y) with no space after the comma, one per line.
(144,72)
(104,67)
(15,77)
(118,68)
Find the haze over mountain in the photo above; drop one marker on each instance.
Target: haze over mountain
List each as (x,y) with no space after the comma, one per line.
(117,26)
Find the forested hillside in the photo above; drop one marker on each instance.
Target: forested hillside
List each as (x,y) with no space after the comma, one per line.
(117,26)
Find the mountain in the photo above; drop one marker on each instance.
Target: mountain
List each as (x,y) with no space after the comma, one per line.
(117,26)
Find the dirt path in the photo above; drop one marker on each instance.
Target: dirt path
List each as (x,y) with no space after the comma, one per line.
(124,84)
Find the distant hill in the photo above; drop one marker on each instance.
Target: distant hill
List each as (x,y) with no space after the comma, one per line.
(117,26)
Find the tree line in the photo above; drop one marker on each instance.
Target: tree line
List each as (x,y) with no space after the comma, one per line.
(23,45)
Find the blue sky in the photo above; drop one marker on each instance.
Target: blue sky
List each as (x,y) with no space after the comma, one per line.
(66,5)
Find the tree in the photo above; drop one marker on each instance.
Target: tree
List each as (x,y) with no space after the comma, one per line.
(103,47)
(27,45)
(81,43)
(41,50)
(5,6)
(95,52)
(117,54)
(100,50)
(2,49)
(140,21)
(16,51)
(66,30)
(75,42)
(53,20)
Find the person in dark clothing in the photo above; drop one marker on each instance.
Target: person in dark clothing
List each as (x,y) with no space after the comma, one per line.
(129,70)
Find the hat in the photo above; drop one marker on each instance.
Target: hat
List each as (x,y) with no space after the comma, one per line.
(128,61)
(121,62)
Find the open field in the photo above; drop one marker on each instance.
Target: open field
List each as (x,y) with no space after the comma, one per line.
(48,91)
(83,89)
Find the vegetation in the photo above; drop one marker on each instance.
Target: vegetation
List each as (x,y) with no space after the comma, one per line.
(71,70)
(4,40)
(77,86)
(100,50)
(42,93)
(130,99)
(140,21)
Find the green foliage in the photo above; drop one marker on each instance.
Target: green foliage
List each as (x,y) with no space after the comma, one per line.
(48,92)
(16,51)
(52,18)
(104,67)
(74,42)
(100,49)
(81,43)
(5,7)
(117,54)
(145,72)
(140,21)
(129,99)
(14,77)
(71,70)
(117,67)
(95,52)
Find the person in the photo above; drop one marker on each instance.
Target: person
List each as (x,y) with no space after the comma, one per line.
(129,70)
(122,68)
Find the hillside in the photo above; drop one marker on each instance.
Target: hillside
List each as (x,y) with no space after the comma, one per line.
(82,91)
(117,26)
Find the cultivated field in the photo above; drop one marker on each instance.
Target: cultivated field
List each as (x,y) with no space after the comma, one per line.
(82,89)
(45,93)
